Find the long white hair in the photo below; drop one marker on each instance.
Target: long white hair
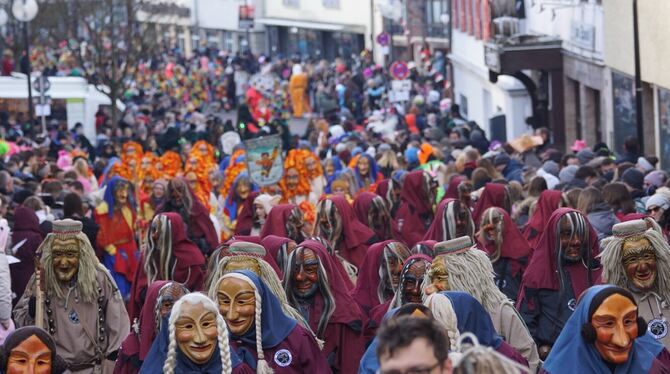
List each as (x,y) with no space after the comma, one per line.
(221,329)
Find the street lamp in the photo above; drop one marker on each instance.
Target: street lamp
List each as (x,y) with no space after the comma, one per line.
(25,11)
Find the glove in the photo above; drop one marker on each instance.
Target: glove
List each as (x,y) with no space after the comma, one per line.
(111,249)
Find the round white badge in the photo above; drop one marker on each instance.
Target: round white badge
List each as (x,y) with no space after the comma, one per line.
(283,358)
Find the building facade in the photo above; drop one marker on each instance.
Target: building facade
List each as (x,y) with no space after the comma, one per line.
(654,48)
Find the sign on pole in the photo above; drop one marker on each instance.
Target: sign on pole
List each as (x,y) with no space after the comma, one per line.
(264,160)
(246,17)
(399,70)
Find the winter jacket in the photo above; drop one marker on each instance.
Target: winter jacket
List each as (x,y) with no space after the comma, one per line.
(602,219)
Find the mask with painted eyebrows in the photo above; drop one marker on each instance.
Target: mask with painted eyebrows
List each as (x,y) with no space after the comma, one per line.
(305,273)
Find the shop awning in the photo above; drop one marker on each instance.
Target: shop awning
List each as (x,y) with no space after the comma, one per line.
(311,25)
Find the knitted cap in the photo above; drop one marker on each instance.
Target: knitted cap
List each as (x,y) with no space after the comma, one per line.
(453,246)
(657,200)
(567,174)
(246,248)
(551,167)
(634,178)
(66,228)
(585,155)
(634,227)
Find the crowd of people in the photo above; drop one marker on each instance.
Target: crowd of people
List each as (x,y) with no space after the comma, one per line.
(398,239)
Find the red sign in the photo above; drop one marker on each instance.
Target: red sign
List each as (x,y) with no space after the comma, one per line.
(399,70)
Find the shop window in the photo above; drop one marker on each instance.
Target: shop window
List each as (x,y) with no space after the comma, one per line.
(664,127)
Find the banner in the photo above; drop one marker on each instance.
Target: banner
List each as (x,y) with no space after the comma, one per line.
(264,160)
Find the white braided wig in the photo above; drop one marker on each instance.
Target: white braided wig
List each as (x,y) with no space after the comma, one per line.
(221,329)
(471,271)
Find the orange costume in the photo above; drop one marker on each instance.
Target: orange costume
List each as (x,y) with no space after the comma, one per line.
(297,88)
(170,164)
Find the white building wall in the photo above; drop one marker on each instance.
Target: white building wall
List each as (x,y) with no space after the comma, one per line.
(485,99)
(349,12)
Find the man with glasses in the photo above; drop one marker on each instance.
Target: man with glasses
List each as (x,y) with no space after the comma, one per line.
(411,345)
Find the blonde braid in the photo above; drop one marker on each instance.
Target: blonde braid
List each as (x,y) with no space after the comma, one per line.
(171,360)
(444,313)
(224,347)
(262,366)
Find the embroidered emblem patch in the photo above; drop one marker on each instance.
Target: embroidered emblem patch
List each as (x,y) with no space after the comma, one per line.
(572,304)
(658,328)
(283,358)
(74,317)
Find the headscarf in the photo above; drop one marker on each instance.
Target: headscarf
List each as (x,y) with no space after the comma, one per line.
(543,270)
(472,317)
(493,195)
(275,325)
(273,245)
(372,171)
(547,203)
(572,354)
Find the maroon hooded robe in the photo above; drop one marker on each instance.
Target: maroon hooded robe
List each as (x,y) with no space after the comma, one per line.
(189,270)
(343,338)
(362,205)
(452,188)
(542,302)
(436,230)
(199,225)
(365,292)
(26,227)
(245,220)
(275,223)
(547,203)
(135,347)
(493,195)
(416,209)
(514,255)
(357,236)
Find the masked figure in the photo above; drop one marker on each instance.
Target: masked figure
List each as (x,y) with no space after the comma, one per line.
(507,248)
(366,173)
(314,172)
(83,310)
(637,258)
(563,265)
(316,288)
(606,335)
(30,350)
(337,223)
(547,203)
(460,266)
(160,297)
(117,219)
(194,340)
(372,211)
(494,195)
(390,190)
(262,206)
(150,204)
(286,220)
(295,184)
(239,192)
(265,336)
(408,290)
(452,220)
(279,248)
(459,312)
(416,210)
(169,256)
(199,226)
(379,276)
(241,255)
(348,271)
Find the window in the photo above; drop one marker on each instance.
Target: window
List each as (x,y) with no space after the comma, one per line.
(664,130)
(333,4)
(463,103)
(437,18)
(292,3)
